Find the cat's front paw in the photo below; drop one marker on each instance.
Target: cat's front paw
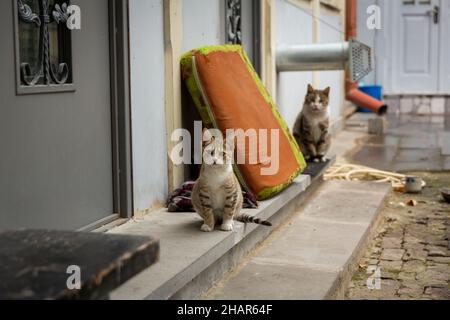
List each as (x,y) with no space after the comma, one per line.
(206,228)
(227,226)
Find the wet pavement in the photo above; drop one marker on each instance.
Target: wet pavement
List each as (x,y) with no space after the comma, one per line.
(411,247)
(410,143)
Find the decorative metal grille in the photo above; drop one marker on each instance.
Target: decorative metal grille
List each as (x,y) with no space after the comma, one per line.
(233,25)
(44,72)
(361,60)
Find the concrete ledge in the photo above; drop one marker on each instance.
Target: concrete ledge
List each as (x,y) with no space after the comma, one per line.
(187,254)
(215,272)
(312,257)
(185,251)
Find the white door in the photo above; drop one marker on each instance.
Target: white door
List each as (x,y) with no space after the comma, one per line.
(416,46)
(444,40)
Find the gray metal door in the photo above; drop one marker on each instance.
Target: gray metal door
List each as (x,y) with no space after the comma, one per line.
(55,129)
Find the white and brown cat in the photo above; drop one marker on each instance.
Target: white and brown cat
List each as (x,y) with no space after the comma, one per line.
(312,124)
(217,195)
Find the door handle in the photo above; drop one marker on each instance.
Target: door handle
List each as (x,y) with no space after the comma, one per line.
(435,13)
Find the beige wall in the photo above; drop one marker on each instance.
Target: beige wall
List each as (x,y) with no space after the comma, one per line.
(282,21)
(303,22)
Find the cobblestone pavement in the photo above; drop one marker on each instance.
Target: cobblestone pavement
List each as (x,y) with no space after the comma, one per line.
(411,248)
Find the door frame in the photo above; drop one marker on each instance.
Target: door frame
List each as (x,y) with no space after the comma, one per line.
(121,142)
(120,108)
(257,7)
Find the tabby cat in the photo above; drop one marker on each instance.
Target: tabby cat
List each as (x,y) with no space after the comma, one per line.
(217,195)
(311,127)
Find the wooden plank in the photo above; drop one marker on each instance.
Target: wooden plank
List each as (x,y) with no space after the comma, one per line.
(268,47)
(172,54)
(42,264)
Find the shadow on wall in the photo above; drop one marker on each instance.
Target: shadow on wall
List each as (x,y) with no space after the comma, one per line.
(189,114)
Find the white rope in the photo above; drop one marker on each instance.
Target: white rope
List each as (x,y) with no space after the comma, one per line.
(352,172)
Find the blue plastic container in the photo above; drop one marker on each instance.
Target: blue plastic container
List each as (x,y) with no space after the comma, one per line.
(373,91)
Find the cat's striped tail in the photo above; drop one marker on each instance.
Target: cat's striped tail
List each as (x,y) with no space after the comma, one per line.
(246,218)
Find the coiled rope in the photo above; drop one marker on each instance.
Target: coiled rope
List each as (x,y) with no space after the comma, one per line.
(352,172)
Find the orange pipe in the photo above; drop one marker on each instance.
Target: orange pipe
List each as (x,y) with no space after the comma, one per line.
(353,94)
(351,26)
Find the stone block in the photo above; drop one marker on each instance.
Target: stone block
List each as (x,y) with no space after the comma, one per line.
(406,105)
(377,126)
(392,254)
(438,105)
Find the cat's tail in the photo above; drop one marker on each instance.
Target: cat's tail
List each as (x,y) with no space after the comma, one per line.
(246,218)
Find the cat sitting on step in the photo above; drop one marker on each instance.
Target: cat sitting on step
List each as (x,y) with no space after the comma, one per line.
(311,127)
(217,195)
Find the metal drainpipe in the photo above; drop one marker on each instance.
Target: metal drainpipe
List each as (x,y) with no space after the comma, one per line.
(353,94)
(316,57)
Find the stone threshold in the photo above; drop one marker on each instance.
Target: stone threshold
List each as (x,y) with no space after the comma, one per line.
(186,252)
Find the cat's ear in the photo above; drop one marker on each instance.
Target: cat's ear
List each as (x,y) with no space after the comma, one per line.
(204,133)
(206,137)
(310,88)
(327,91)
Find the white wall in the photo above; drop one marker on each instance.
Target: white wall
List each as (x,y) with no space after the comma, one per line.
(379,41)
(331,31)
(365,35)
(147,103)
(293,26)
(203,23)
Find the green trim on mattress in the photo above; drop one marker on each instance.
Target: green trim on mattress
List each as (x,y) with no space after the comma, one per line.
(206,113)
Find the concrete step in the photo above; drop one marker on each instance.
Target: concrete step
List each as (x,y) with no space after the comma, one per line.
(314,255)
(192,261)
